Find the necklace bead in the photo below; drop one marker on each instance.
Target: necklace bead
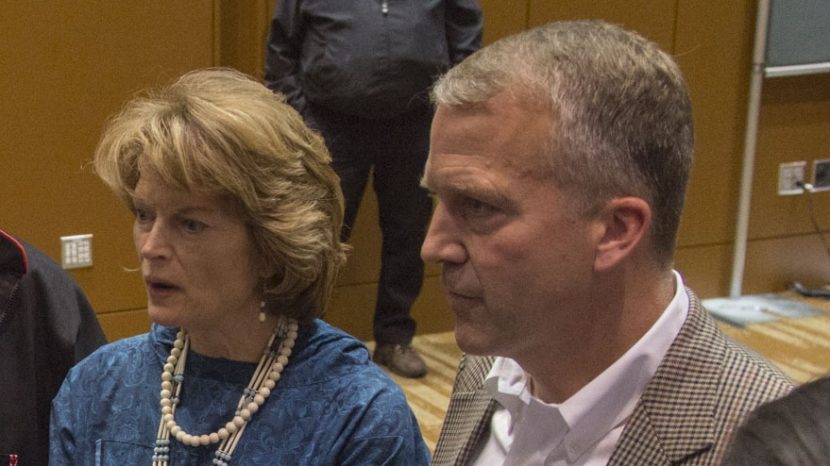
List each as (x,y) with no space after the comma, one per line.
(273,361)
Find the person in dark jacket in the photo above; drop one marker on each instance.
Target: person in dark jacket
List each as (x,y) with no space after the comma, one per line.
(46,326)
(359,72)
(793,430)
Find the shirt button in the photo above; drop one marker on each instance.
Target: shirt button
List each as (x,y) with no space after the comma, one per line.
(572,449)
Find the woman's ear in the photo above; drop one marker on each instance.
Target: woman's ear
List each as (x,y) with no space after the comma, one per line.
(626,221)
(269,272)
(265,268)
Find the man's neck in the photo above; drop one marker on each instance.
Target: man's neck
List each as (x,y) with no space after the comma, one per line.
(601,334)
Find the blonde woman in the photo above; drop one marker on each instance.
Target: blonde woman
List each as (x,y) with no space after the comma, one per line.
(237,220)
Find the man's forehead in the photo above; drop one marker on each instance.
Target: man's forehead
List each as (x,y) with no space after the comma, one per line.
(463,173)
(534,164)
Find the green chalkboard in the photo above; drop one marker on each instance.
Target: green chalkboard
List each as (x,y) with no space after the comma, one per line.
(798,37)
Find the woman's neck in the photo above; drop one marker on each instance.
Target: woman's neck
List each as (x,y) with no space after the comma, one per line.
(242,340)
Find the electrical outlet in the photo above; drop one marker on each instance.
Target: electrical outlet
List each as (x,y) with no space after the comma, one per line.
(789,175)
(76,251)
(821,175)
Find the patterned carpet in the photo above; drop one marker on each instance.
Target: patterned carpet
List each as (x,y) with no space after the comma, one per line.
(800,347)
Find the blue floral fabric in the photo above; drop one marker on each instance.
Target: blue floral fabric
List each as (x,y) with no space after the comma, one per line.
(332,406)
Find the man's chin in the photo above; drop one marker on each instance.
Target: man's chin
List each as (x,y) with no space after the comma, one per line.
(473,342)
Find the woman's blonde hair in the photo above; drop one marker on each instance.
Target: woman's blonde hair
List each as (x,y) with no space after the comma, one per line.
(220,132)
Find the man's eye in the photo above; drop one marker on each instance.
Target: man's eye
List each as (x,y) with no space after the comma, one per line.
(193,226)
(477,208)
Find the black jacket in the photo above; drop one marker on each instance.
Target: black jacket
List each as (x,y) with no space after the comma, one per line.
(369,58)
(46,326)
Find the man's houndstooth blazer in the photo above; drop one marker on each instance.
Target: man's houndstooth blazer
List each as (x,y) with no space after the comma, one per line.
(700,393)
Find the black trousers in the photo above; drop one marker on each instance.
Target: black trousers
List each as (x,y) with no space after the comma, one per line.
(394,151)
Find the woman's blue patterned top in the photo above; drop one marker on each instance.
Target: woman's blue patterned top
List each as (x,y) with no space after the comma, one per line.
(332,406)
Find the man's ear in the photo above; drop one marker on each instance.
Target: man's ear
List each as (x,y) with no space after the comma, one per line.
(626,222)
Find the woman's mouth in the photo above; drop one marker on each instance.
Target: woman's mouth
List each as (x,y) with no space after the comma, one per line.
(158,289)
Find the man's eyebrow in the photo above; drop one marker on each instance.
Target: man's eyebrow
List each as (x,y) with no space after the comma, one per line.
(471,189)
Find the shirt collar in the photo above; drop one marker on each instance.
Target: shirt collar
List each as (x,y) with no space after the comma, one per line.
(605,402)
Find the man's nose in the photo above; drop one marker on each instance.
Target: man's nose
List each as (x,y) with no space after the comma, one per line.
(443,243)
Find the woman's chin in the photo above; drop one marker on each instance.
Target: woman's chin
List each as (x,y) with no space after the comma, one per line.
(164,317)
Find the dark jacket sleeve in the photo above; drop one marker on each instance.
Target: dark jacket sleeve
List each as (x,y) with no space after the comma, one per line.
(47,326)
(464,25)
(71,326)
(282,55)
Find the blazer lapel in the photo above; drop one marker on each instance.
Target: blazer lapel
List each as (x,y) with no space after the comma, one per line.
(468,416)
(675,418)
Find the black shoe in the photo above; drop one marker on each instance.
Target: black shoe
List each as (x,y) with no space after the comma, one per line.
(401,359)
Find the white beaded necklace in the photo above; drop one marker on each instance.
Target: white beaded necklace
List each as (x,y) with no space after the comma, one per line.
(273,361)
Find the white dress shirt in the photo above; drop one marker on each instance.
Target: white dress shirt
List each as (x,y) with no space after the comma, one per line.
(582,430)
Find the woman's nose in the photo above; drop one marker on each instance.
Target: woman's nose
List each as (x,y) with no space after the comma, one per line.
(151,241)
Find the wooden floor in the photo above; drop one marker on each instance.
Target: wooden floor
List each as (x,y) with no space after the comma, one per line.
(429,396)
(800,347)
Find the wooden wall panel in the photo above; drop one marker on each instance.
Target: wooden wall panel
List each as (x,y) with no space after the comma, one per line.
(702,268)
(123,324)
(713,48)
(774,263)
(243,30)
(795,125)
(352,308)
(503,18)
(67,66)
(654,19)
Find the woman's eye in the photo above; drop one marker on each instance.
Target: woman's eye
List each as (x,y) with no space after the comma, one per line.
(193,226)
(141,215)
